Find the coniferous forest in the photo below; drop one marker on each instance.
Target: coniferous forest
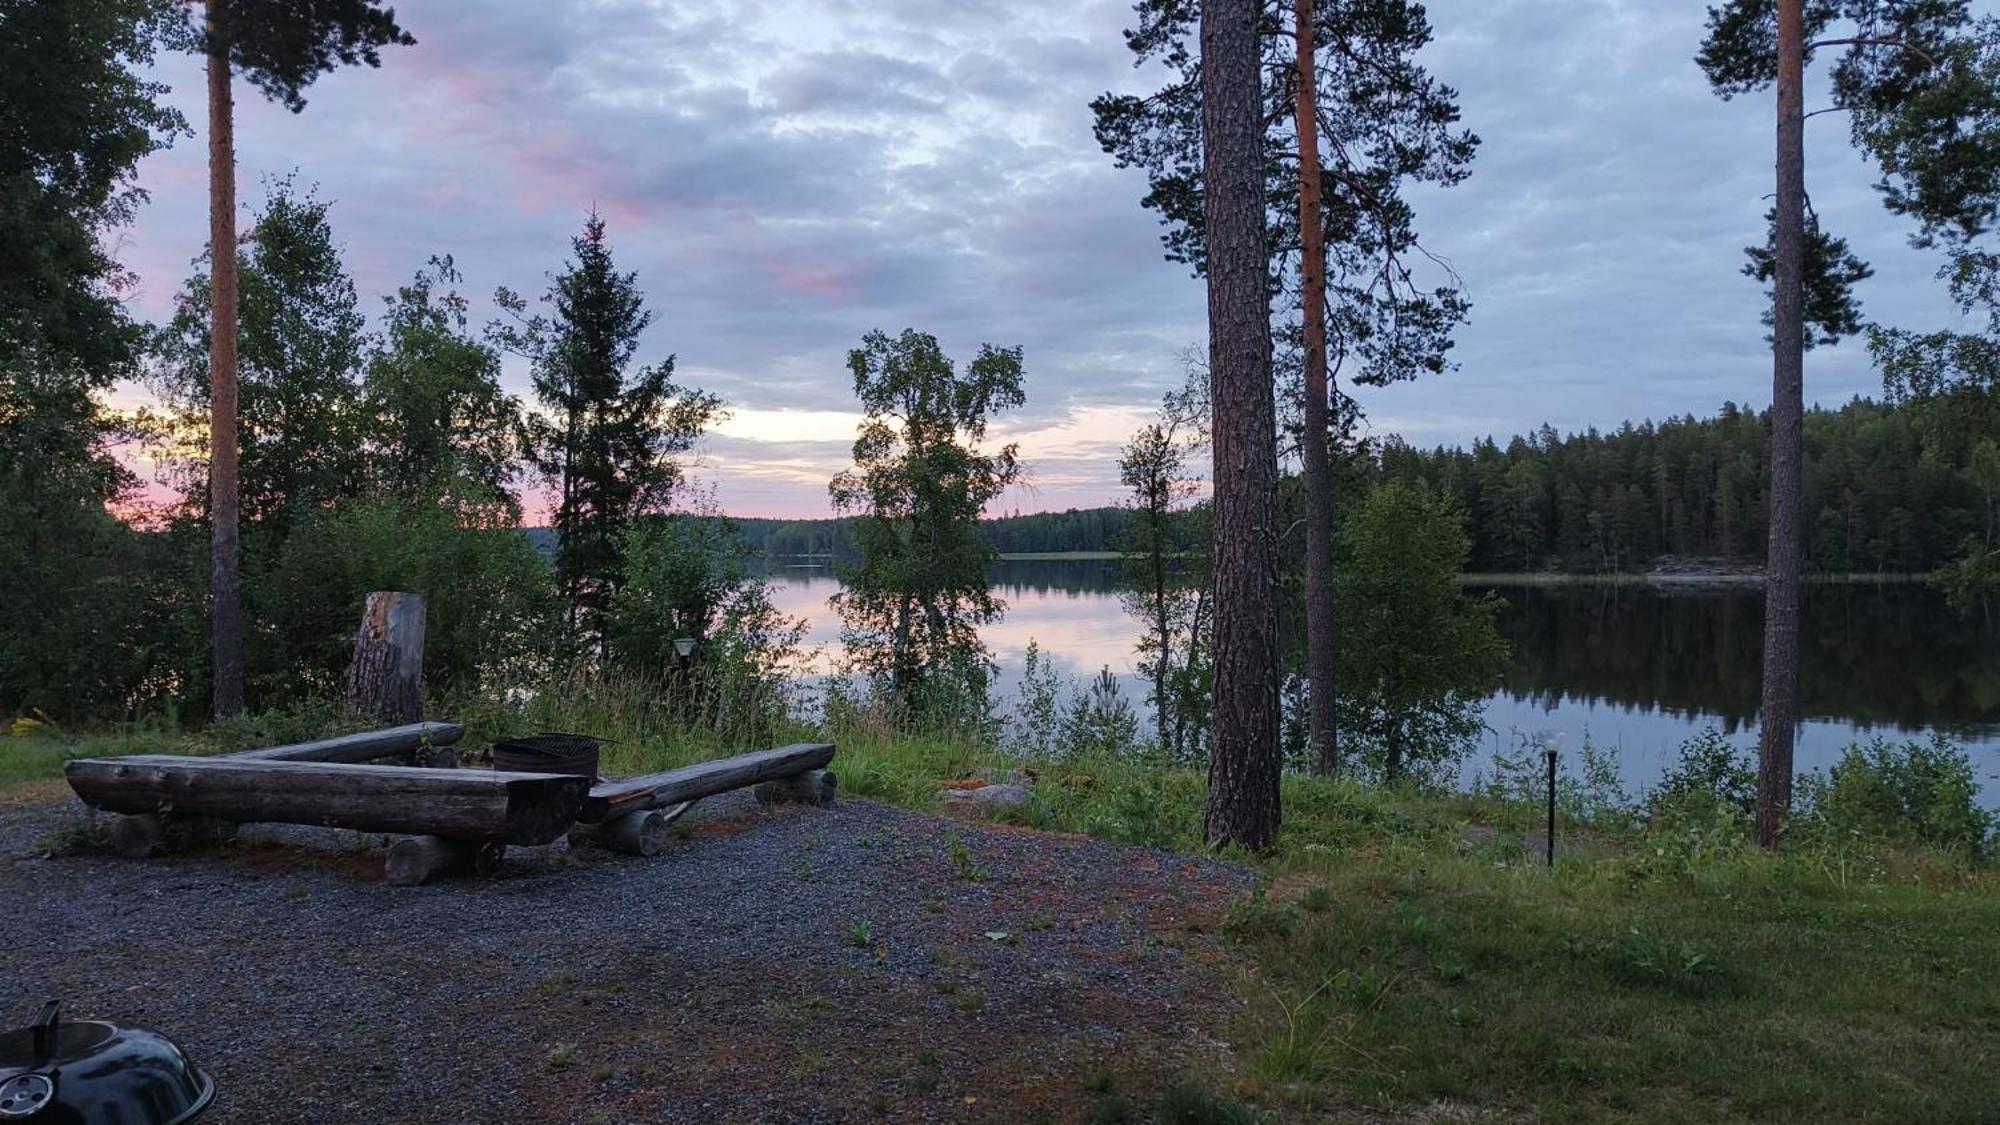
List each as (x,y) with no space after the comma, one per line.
(1887,490)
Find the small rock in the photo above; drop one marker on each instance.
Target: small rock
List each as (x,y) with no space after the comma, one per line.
(993,776)
(989,796)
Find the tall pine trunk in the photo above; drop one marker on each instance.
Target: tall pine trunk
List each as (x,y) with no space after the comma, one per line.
(1779,710)
(1243,764)
(1320,592)
(224,509)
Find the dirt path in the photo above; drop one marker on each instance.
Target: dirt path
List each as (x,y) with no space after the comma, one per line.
(789,965)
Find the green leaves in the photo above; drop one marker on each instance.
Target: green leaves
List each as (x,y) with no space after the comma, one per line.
(919,483)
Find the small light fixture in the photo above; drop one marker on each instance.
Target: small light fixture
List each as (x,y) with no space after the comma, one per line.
(684,646)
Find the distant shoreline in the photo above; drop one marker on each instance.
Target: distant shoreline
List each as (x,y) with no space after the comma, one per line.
(1686,579)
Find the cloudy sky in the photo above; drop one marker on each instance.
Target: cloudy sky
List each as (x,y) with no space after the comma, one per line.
(785,177)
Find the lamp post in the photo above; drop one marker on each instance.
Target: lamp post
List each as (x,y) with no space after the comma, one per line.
(1552,749)
(684,648)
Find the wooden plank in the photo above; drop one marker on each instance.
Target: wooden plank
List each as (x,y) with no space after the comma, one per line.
(704,779)
(515,808)
(363,747)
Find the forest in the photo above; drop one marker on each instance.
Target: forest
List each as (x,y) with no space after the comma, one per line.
(1890,492)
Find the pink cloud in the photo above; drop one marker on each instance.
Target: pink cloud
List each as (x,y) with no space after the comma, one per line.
(831,280)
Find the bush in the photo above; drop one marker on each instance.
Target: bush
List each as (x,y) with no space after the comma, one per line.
(490,599)
(1907,792)
(1711,775)
(689,577)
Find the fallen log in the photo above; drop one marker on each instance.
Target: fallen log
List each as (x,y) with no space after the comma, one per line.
(415,860)
(516,808)
(366,746)
(813,787)
(636,833)
(612,799)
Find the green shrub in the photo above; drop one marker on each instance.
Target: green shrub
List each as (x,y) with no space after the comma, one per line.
(1900,792)
(1711,773)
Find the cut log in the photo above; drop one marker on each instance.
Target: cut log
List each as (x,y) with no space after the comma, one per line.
(613,799)
(813,787)
(386,680)
(636,833)
(366,746)
(135,837)
(415,860)
(516,808)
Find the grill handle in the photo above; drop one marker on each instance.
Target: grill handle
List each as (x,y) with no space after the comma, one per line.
(45,1028)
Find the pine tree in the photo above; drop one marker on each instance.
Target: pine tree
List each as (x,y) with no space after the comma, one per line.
(1371,123)
(1907,78)
(1244,755)
(281,46)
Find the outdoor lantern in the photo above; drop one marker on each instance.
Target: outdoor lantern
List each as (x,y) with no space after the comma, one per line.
(684,646)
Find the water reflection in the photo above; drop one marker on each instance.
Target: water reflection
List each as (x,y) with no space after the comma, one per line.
(1636,667)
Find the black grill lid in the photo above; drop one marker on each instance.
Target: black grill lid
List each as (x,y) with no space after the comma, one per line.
(58,1073)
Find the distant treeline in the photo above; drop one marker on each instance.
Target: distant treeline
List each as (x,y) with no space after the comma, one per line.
(1078,529)
(1878,498)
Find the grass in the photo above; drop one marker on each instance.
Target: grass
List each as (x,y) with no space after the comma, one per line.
(1397,962)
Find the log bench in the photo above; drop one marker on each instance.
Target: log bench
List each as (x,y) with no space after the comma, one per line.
(420,740)
(632,815)
(454,820)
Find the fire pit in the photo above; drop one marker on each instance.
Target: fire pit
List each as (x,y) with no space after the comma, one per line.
(575,754)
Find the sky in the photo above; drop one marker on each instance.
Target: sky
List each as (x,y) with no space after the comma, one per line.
(786,177)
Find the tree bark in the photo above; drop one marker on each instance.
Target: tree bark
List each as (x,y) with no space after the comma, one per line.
(386,680)
(225,576)
(1321,669)
(1778,714)
(1243,764)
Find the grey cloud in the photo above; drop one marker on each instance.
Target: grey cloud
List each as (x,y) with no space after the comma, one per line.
(785,180)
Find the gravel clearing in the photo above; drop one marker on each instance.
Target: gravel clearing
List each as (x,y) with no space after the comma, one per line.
(786,965)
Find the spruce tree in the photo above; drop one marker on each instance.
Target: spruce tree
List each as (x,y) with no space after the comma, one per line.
(608,440)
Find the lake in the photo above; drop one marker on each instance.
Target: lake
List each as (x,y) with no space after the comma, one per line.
(1636,667)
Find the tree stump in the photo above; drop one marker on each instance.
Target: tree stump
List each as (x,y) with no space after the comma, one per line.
(414,860)
(813,787)
(386,680)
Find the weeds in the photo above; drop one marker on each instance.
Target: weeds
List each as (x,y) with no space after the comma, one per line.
(963,867)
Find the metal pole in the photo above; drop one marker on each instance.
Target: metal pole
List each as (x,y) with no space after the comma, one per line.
(1550,751)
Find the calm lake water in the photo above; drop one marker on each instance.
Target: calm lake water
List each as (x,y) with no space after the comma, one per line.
(1637,668)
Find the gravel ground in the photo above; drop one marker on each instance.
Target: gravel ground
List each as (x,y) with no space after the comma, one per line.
(784,965)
